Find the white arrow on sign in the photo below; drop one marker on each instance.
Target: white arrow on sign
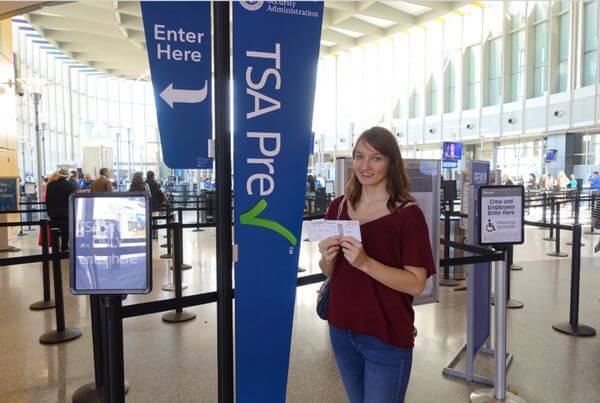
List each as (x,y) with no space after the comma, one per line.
(171,95)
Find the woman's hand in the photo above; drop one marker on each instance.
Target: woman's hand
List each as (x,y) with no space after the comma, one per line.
(329,248)
(354,253)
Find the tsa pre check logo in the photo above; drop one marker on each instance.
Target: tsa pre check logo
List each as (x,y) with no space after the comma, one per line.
(252,5)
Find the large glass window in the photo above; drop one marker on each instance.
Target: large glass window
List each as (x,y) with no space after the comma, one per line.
(517,65)
(563,47)
(432,97)
(472,77)
(494,72)
(450,83)
(540,63)
(517,13)
(590,43)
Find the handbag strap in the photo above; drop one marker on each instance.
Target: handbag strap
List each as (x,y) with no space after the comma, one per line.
(340,207)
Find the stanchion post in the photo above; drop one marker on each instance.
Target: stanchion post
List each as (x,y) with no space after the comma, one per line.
(544,208)
(46,303)
(557,252)
(223,217)
(114,369)
(573,327)
(61,334)
(179,315)
(447,281)
(169,254)
(499,392)
(577,207)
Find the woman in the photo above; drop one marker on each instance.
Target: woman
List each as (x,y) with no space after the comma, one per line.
(138,184)
(370,314)
(156,194)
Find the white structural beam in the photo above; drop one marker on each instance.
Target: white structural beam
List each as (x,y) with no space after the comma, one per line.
(337,37)
(380,10)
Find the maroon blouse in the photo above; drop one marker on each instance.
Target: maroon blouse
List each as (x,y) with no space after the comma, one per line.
(359,303)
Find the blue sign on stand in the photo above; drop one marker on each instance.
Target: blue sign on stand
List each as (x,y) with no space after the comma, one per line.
(178,40)
(8,194)
(275,56)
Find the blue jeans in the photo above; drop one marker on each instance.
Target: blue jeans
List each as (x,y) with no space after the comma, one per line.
(372,371)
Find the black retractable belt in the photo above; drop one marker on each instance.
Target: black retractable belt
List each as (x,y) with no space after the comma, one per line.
(61,334)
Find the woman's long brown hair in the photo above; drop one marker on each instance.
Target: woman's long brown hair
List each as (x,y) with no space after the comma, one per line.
(398,184)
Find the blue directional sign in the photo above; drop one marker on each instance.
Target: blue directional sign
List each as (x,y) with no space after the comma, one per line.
(179,52)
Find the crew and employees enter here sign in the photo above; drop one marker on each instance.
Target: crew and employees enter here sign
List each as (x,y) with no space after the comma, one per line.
(501,215)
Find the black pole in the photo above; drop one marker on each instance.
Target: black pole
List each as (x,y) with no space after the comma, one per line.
(96,318)
(550,236)
(557,252)
(114,390)
(446,281)
(46,303)
(169,254)
(179,315)
(61,334)
(223,196)
(573,327)
(577,208)
(198,206)
(545,197)
(182,266)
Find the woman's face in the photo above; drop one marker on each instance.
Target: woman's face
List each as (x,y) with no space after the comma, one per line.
(370,166)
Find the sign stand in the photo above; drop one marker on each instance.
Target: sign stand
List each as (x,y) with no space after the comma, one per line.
(500,224)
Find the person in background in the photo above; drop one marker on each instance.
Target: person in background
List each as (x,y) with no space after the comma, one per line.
(102,183)
(543,181)
(373,282)
(551,183)
(563,180)
(85,183)
(506,181)
(572,182)
(531,182)
(138,184)
(595,181)
(157,197)
(57,204)
(73,178)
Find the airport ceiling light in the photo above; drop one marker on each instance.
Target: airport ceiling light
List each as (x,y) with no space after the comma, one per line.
(109,35)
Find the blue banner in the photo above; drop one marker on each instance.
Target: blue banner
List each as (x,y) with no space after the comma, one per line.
(275,55)
(179,53)
(481,275)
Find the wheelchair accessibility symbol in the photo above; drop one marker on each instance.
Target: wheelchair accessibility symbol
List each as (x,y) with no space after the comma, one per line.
(490,227)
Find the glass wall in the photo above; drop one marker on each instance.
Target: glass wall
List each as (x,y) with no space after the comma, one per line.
(80,107)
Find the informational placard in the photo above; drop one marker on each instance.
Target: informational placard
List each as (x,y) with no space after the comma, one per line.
(275,56)
(178,42)
(110,243)
(502,215)
(425,188)
(8,193)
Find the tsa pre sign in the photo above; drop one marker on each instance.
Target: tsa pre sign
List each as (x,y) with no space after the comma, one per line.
(179,52)
(275,56)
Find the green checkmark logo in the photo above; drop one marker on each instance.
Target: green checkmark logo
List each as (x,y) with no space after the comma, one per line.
(250,217)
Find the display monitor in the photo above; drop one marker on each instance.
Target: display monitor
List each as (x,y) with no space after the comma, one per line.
(110,241)
(452,151)
(551,155)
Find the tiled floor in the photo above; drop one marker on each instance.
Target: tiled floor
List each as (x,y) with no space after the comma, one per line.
(177,362)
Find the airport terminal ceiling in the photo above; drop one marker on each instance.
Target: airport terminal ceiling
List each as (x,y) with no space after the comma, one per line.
(108,35)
